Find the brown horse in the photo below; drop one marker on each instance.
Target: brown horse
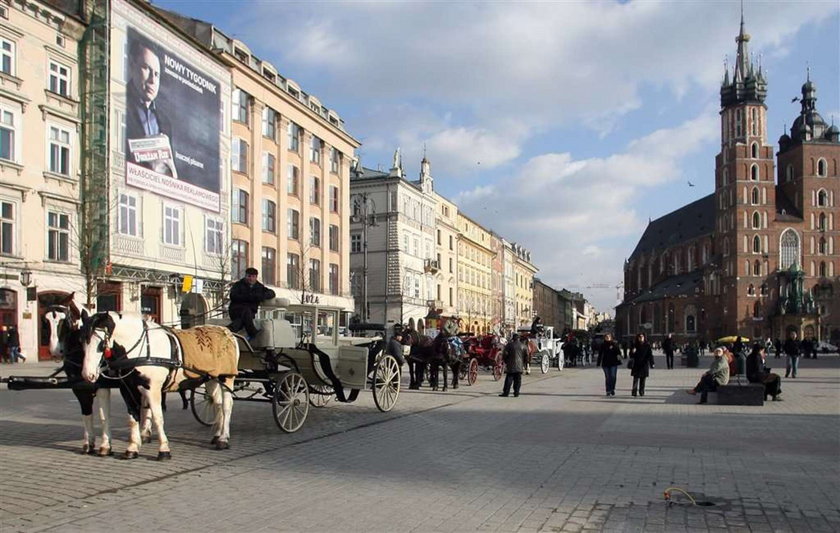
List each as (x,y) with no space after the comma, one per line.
(437,353)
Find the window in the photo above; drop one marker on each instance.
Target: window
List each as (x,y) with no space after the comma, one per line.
(755,196)
(757,309)
(756,220)
(756,247)
(58,236)
(789,173)
(450,265)
(269,123)
(268,168)
(763,289)
(59,79)
(315,150)
(822,168)
(333,238)
(269,216)
(7,57)
(821,222)
(172,225)
(450,243)
(334,199)
(335,161)
(751,290)
(314,231)
(127,213)
(293,224)
(789,249)
(119,120)
(292,180)
(239,155)
(214,236)
(238,258)
(754,172)
(269,265)
(239,106)
(822,198)
(7,135)
(315,275)
(355,242)
(59,162)
(314,190)
(7,228)
(333,279)
(822,246)
(754,150)
(823,271)
(294,132)
(293,271)
(239,213)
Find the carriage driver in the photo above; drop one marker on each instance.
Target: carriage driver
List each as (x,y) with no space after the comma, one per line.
(245,297)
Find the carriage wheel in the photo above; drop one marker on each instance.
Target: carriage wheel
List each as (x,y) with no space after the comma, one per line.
(291,402)
(201,405)
(498,370)
(544,363)
(320,395)
(472,373)
(462,371)
(386,383)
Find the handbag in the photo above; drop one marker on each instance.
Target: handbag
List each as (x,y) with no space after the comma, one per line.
(630,364)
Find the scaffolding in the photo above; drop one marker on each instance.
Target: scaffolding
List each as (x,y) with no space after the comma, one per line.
(94,210)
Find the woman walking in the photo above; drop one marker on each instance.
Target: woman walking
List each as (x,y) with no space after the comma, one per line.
(641,360)
(609,358)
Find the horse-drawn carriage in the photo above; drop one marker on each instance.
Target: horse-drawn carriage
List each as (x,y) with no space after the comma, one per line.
(483,351)
(544,349)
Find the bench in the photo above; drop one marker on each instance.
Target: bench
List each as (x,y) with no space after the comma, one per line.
(741,394)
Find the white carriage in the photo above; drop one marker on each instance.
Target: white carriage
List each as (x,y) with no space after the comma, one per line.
(546,351)
(299,359)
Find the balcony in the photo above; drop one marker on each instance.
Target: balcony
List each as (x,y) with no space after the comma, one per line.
(431,266)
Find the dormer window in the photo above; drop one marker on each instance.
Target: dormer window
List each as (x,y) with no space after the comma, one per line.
(241,55)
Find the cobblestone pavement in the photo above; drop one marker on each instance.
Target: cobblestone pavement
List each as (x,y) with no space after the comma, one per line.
(561,457)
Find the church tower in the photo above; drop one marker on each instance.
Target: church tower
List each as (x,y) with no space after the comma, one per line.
(744,192)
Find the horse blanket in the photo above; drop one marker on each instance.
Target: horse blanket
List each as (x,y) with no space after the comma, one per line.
(209,350)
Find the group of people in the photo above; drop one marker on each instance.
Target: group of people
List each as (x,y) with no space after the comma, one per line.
(10,345)
(639,361)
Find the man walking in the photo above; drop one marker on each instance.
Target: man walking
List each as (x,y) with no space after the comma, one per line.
(514,357)
(792,351)
(668,348)
(245,297)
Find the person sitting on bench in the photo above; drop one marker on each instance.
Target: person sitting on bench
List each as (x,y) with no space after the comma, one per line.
(717,376)
(757,372)
(245,297)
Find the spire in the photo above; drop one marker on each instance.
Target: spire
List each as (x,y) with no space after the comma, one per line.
(747,84)
(742,61)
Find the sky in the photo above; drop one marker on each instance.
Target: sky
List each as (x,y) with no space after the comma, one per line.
(564,126)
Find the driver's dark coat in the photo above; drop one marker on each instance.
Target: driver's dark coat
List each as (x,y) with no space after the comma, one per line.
(514,356)
(244,296)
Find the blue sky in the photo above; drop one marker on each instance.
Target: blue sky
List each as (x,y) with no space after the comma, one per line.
(564,126)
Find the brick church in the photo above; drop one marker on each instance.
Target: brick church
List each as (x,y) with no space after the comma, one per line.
(757,257)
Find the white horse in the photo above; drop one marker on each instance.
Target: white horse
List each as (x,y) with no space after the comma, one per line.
(150,361)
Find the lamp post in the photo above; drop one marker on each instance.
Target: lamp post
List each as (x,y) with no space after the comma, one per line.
(364,212)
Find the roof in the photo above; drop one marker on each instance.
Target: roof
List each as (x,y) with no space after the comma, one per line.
(785,209)
(679,285)
(686,223)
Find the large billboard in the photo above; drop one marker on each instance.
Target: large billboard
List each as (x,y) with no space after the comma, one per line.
(172,124)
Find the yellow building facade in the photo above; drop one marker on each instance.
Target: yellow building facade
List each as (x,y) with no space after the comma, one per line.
(475,263)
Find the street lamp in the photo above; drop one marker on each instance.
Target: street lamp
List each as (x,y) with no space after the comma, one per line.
(364,212)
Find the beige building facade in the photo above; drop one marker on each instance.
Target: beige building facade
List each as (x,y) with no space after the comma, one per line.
(475,262)
(446,247)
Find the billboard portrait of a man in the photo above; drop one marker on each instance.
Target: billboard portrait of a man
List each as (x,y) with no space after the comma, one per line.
(172,122)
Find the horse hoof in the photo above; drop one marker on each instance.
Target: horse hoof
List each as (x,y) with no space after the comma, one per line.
(214,440)
(88,449)
(146,439)
(222,444)
(164,456)
(130,455)
(454,386)
(105,451)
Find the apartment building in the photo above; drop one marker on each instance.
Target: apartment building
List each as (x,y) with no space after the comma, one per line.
(475,263)
(523,276)
(290,178)
(446,246)
(40,170)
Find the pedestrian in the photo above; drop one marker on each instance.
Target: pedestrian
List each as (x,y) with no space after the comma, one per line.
(609,359)
(641,360)
(4,344)
(778,346)
(738,347)
(757,372)
(14,345)
(716,376)
(668,348)
(703,347)
(395,348)
(624,348)
(793,350)
(514,357)
(245,297)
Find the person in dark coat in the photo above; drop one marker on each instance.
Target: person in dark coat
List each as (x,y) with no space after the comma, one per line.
(13,343)
(537,327)
(738,347)
(4,339)
(642,358)
(793,349)
(609,359)
(245,297)
(514,356)
(757,372)
(395,348)
(668,348)
(778,346)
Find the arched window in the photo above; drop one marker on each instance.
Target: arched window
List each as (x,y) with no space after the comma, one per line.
(754,150)
(764,289)
(754,172)
(755,196)
(756,268)
(789,173)
(725,247)
(724,179)
(756,220)
(822,198)
(757,309)
(690,324)
(751,290)
(822,168)
(823,269)
(821,224)
(756,245)
(822,246)
(788,249)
